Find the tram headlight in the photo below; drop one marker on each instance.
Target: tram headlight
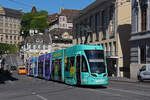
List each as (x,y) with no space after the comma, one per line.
(94,75)
(104,75)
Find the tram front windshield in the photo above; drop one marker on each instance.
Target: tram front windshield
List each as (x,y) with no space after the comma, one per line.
(96,60)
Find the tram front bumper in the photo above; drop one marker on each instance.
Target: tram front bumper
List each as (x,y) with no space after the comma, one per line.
(98,81)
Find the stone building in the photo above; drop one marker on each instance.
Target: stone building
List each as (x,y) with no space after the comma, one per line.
(36,45)
(107,23)
(10,20)
(61,38)
(63,20)
(61,28)
(140,36)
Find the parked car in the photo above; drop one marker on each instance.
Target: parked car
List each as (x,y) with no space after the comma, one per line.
(144,73)
(13,68)
(22,70)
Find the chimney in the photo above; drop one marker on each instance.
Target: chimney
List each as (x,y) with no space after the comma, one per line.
(61,9)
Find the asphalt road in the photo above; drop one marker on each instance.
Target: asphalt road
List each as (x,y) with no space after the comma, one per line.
(28,88)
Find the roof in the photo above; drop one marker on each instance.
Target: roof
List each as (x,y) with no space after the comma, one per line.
(45,38)
(13,13)
(69,13)
(52,17)
(33,9)
(94,5)
(57,35)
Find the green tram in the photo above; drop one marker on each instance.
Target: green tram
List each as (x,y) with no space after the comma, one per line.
(80,65)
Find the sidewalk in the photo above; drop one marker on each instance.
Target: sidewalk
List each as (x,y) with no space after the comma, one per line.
(122,79)
(6,76)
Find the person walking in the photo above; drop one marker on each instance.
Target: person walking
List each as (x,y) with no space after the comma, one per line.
(3,63)
(0,64)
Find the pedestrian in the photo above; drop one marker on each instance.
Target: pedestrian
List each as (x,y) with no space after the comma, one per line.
(3,63)
(0,63)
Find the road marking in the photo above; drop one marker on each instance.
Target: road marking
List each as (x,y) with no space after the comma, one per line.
(107,93)
(41,97)
(132,92)
(33,93)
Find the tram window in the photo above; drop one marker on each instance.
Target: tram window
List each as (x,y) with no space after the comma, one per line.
(67,65)
(59,69)
(42,67)
(53,64)
(47,63)
(84,65)
(71,61)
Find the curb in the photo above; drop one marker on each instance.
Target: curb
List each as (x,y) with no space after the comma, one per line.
(124,80)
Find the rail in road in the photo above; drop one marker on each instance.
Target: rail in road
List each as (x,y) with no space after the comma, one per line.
(37,89)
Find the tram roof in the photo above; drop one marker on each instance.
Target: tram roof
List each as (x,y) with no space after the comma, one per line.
(85,47)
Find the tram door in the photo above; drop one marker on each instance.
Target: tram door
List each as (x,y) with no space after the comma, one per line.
(59,69)
(52,68)
(78,69)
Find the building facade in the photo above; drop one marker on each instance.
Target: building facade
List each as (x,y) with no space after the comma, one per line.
(61,28)
(10,20)
(107,23)
(63,20)
(140,36)
(61,38)
(36,45)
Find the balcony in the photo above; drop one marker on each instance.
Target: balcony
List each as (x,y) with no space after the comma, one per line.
(111,54)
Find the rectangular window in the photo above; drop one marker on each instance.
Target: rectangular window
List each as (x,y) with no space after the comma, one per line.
(10,25)
(112,21)
(31,46)
(10,37)
(1,31)
(40,68)
(14,37)
(6,36)
(18,38)
(41,47)
(110,49)
(69,62)
(96,61)
(80,32)
(115,49)
(103,24)
(6,24)
(1,24)
(1,38)
(91,27)
(46,47)
(97,25)
(63,18)
(84,65)
(53,69)
(59,62)
(143,54)
(6,31)
(143,15)
(1,18)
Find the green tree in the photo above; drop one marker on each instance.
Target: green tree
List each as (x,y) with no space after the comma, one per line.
(36,21)
(8,48)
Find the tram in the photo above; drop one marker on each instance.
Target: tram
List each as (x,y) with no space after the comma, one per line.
(76,65)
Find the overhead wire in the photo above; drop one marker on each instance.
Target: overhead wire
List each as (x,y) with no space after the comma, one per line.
(20,3)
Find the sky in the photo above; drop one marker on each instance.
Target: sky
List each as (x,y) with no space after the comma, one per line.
(52,6)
